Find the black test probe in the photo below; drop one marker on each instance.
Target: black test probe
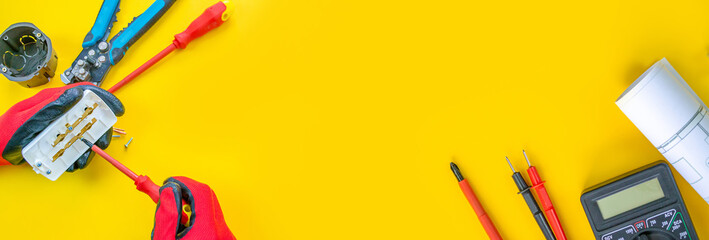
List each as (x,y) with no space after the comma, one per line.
(531,203)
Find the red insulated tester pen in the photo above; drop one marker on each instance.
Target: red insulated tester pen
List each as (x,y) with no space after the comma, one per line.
(538,187)
(210,19)
(475,203)
(531,203)
(142,182)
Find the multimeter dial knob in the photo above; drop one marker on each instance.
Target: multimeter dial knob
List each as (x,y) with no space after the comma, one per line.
(654,235)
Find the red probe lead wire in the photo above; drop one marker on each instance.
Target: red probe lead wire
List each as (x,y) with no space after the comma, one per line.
(545,200)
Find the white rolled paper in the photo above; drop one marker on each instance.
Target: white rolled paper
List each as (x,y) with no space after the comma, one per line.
(674,119)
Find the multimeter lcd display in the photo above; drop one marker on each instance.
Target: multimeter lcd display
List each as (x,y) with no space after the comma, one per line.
(643,204)
(630,198)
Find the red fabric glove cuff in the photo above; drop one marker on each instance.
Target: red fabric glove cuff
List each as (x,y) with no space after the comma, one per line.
(206,221)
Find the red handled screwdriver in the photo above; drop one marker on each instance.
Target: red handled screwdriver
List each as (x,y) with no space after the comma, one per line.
(538,187)
(210,19)
(475,203)
(142,182)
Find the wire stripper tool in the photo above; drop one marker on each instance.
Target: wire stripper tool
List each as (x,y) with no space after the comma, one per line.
(99,55)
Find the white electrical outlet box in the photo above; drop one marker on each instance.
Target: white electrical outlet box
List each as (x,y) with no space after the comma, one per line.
(59,145)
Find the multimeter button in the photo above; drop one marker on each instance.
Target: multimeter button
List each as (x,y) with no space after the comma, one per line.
(620,234)
(661,220)
(639,225)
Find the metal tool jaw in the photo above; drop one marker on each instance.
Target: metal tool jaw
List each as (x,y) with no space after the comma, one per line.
(92,63)
(90,66)
(60,144)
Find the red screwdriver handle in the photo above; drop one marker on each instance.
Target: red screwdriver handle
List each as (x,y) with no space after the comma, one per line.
(210,19)
(545,200)
(144,184)
(147,186)
(479,210)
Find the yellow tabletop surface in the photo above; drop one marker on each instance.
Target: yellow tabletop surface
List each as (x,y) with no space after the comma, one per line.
(337,119)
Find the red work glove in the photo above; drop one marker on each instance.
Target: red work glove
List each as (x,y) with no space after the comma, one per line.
(26,119)
(206,220)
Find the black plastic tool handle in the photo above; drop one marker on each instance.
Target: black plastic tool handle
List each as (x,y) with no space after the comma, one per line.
(533,207)
(124,39)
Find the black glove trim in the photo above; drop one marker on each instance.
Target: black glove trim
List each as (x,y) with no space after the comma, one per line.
(37,123)
(177,193)
(189,198)
(49,113)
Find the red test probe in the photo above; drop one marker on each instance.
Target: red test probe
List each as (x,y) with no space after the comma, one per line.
(210,19)
(475,203)
(531,203)
(538,187)
(142,182)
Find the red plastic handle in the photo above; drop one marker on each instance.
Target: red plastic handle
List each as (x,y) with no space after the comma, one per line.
(142,182)
(479,210)
(545,200)
(210,19)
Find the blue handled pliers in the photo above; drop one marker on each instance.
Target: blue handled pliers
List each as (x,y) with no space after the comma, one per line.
(99,55)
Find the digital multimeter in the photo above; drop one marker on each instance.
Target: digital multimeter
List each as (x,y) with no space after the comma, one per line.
(644,204)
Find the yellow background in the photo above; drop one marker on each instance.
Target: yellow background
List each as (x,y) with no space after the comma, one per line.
(336,119)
